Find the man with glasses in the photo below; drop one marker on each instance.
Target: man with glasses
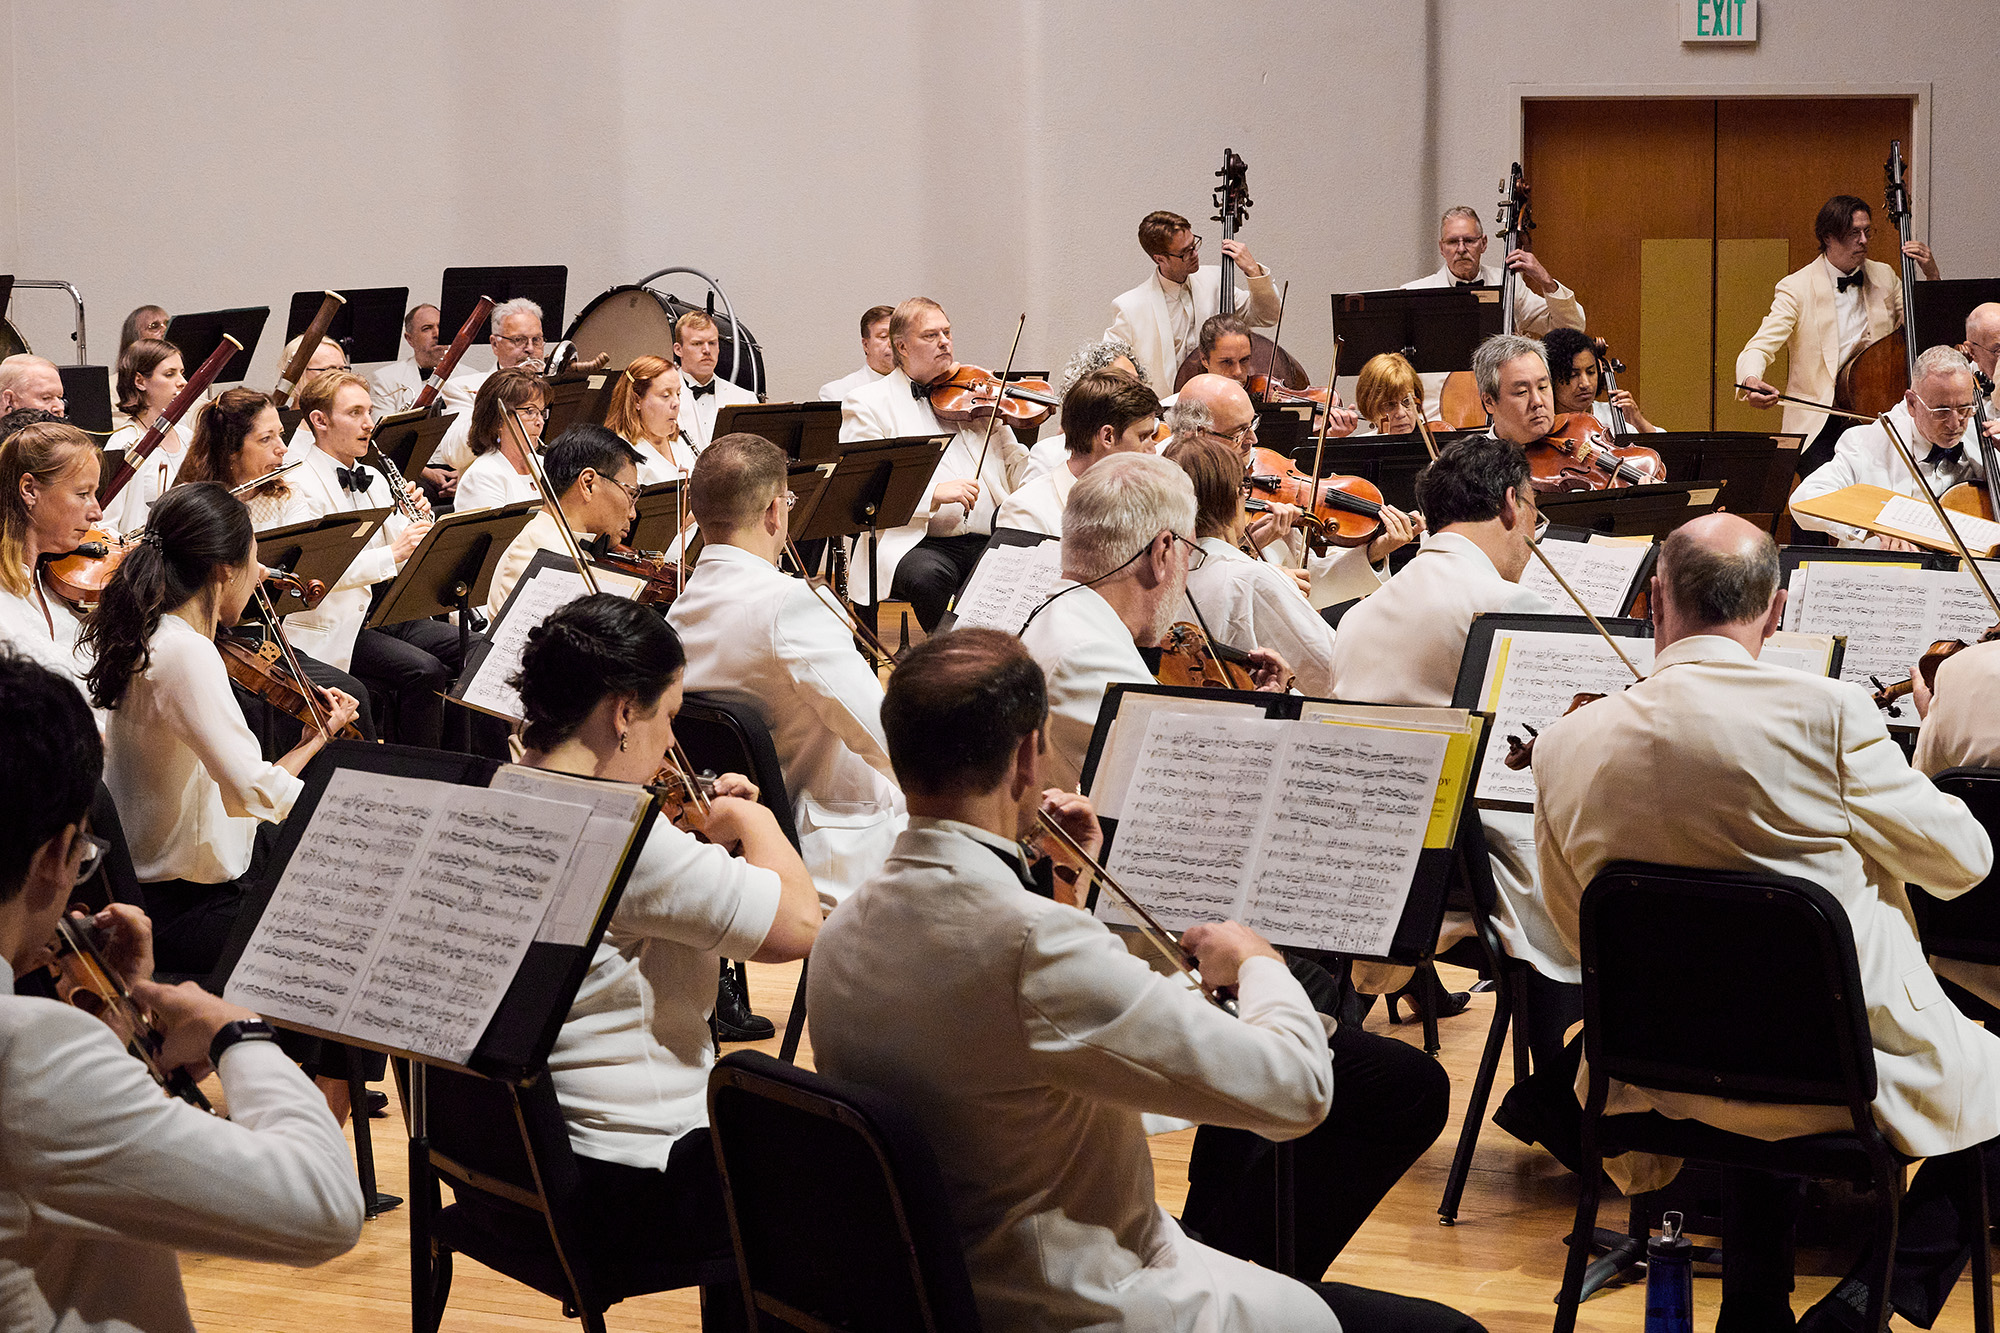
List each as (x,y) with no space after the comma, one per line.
(1163,315)
(1935,421)
(697,349)
(517,345)
(595,478)
(1540,302)
(1982,345)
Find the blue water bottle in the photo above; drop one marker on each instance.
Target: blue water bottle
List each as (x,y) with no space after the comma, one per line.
(1670,1279)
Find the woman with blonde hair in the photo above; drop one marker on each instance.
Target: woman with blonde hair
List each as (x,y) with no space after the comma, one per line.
(646,414)
(1384,392)
(150,373)
(48,501)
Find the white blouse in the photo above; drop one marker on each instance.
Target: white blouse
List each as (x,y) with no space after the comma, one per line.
(657,465)
(189,778)
(45,629)
(155,474)
(490,482)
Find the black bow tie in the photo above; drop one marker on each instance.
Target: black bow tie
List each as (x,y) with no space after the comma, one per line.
(919,391)
(701,390)
(1842,281)
(1943,456)
(1463,282)
(357,478)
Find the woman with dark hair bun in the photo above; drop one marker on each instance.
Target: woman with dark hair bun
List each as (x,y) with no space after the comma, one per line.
(600,682)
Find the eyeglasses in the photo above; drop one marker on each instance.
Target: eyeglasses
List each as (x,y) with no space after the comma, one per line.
(1197,556)
(95,849)
(1239,437)
(522,341)
(631,492)
(532,413)
(1991,349)
(791,500)
(1949,411)
(1463,242)
(1192,249)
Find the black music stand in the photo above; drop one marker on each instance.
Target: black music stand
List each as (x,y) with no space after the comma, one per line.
(6,292)
(661,508)
(579,397)
(408,439)
(1435,327)
(452,568)
(369,326)
(807,432)
(198,335)
(87,399)
(320,548)
(1941,308)
(877,484)
(1634,511)
(1286,426)
(1757,466)
(544,284)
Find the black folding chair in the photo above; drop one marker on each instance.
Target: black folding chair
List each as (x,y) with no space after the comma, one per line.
(836,1207)
(1966,928)
(1738,985)
(724,733)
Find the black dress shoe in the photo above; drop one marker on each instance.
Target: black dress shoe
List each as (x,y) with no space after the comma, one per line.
(1446,1003)
(376,1104)
(733,1019)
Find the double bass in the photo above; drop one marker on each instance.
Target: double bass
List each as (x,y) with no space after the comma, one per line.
(1458,400)
(1875,379)
(1267,360)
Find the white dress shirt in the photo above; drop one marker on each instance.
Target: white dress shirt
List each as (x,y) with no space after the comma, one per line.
(1252,604)
(764,636)
(1027,1044)
(189,778)
(104,1178)
(490,482)
(328,630)
(1162,320)
(1803,781)
(698,413)
(888,410)
(44,628)
(837,390)
(1038,505)
(155,473)
(1082,646)
(1534,314)
(631,1061)
(395,385)
(657,465)
(1864,455)
(1850,308)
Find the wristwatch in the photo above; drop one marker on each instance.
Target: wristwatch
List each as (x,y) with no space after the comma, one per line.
(252,1029)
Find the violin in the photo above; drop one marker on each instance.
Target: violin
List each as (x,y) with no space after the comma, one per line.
(85,978)
(1578,454)
(1346,511)
(684,796)
(1189,657)
(1935,656)
(661,574)
(972,394)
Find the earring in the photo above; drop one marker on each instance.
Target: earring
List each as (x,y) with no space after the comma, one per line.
(621,740)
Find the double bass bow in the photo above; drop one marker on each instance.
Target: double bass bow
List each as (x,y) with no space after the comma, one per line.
(1875,378)
(1268,361)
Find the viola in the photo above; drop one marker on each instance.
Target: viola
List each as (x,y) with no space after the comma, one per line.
(1935,656)
(1190,657)
(972,394)
(261,670)
(85,978)
(662,575)
(1346,511)
(1578,454)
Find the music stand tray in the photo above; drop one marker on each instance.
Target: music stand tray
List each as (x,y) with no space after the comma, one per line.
(876,485)
(461,288)
(452,567)
(807,432)
(1435,327)
(198,335)
(408,439)
(369,326)
(584,397)
(1633,511)
(320,548)
(87,401)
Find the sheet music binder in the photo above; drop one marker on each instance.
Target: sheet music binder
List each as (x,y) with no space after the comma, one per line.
(516,1043)
(1423,910)
(1641,577)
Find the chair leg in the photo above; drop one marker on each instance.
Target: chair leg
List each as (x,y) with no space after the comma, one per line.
(1622,1252)
(1888,1210)
(1475,1108)
(1581,1232)
(795,1026)
(1982,1249)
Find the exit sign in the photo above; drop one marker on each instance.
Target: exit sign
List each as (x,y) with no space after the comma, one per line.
(1719,21)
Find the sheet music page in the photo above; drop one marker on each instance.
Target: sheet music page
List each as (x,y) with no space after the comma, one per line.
(1810,653)
(1113,775)
(1912,517)
(1340,846)
(1007,585)
(1192,814)
(1532,677)
(615,808)
(1887,613)
(1600,574)
(534,600)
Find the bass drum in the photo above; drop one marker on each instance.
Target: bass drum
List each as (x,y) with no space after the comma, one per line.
(629,322)
(11,341)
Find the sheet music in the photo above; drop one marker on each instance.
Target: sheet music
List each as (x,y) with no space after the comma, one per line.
(1601,575)
(1912,517)
(403,914)
(1006,586)
(1532,677)
(615,809)
(1810,653)
(1890,614)
(1120,758)
(535,598)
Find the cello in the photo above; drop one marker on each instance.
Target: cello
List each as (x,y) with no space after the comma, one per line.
(1875,378)
(1975,496)
(1267,359)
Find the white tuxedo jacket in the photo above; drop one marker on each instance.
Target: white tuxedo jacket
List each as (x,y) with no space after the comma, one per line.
(1140,317)
(1082,646)
(1865,455)
(395,385)
(1803,322)
(1803,780)
(1534,315)
(327,631)
(835,391)
(1963,731)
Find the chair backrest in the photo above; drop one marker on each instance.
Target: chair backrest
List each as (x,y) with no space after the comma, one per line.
(1722,982)
(836,1206)
(1968,926)
(725,733)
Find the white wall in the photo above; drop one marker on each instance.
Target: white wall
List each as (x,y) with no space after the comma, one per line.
(819,159)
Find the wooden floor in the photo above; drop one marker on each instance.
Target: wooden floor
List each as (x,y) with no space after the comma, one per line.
(1501,1264)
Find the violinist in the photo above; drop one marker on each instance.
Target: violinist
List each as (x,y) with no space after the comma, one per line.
(190,781)
(1163,315)
(1051,450)
(600,682)
(1106,412)
(1029,1043)
(27,380)
(498,474)
(1383,392)
(697,350)
(1576,375)
(150,373)
(646,413)
(1128,544)
(1803,780)
(595,478)
(48,503)
(926,560)
(1226,351)
(877,357)
(517,343)
(1935,420)
(394,386)
(1540,302)
(105,1177)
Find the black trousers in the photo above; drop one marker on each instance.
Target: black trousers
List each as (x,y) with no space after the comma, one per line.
(408,668)
(279,734)
(1384,1312)
(931,573)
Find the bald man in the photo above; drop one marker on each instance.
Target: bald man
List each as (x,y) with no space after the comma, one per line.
(27,380)
(1805,781)
(1982,346)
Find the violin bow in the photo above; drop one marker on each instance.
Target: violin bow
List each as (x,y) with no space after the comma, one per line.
(511,419)
(1326,419)
(1416,407)
(994,420)
(685,767)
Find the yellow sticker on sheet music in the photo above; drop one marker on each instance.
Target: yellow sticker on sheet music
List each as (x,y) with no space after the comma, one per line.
(1497,673)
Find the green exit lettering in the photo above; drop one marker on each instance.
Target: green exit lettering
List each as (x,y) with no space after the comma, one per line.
(1719,18)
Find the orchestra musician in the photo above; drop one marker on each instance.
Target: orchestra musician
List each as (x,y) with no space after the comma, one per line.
(396,384)
(49,474)
(1540,302)
(1961,729)
(646,413)
(1512,371)
(150,374)
(1935,420)
(517,342)
(1244,599)
(595,478)
(600,682)
(1226,350)
(697,349)
(1106,412)
(1823,315)
(877,357)
(1383,392)
(326,355)
(1162,315)
(1982,337)
(1805,782)
(27,380)
(1050,450)
(1029,1043)
(1574,369)
(105,1177)
(146,321)
(926,560)
(498,474)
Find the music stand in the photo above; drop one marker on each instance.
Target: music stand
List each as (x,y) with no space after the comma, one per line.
(544,284)
(320,548)
(1436,328)
(6,292)
(408,439)
(452,568)
(1941,308)
(807,432)
(582,396)
(200,334)
(87,398)
(1633,511)
(1286,426)
(369,326)
(1758,466)
(877,484)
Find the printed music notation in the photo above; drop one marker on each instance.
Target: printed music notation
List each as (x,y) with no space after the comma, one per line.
(404,912)
(1601,574)
(1006,586)
(1913,519)
(1532,677)
(1890,614)
(535,598)
(1306,831)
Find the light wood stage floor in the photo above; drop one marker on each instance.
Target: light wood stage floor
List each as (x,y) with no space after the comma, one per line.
(1501,1263)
